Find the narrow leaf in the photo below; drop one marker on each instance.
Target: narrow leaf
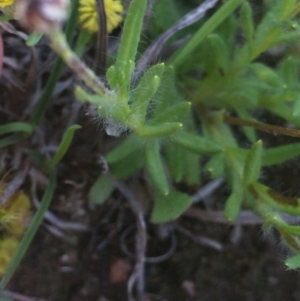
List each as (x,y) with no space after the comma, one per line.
(191,163)
(155,168)
(287,8)
(129,42)
(33,39)
(293,262)
(12,139)
(253,163)
(64,145)
(127,166)
(173,114)
(174,155)
(196,144)
(234,202)
(247,21)
(157,131)
(16,127)
(170,207)
(101,189)
(280,154)
(276,200)
(123,149)
(266,74)
(145,90)
(216,165)
(218,54)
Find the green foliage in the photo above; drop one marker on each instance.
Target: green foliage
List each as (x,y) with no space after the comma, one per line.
(64,145)
(233,79)
(220,71)
(169,207)
(101,190)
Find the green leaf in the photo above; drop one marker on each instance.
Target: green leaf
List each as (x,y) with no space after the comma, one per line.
(112,77)
(234,202)
(160,130)
(129,44)
(33,39)
(174,155)
(101,189)
(276,200)
(218,55)
(123,149)
(296,107)
(6,18)
(101,102)
(216,165)
(293,262)
(291,241)
(280,154)
(155,168)
(64,145)
(287,7)
(266,74)
(174,113)
(247,21)
(191,163)
(128,165)
(12,139)
(30,232)
(16,127)
(145,90)
(288,71)
(196,144)
(253,163)
(170,207)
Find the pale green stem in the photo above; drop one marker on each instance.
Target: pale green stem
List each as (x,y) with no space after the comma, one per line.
(62,48)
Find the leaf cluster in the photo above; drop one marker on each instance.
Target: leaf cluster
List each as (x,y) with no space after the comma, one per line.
(233,77)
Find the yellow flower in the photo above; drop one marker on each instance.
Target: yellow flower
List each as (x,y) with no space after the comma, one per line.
(15,216)
(8,247)
(5,3)
(88,14)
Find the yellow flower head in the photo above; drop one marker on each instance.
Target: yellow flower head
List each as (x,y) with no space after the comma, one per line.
(8,247)
(15,216)
(88,14)
(5,3)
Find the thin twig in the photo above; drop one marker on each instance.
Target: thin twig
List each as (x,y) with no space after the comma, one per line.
(53,219)
(272,129)
(246,217)
(60,234)
(202,240)
(135,205)
(141,247)
(154,259)
(207,190)
(137,278)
